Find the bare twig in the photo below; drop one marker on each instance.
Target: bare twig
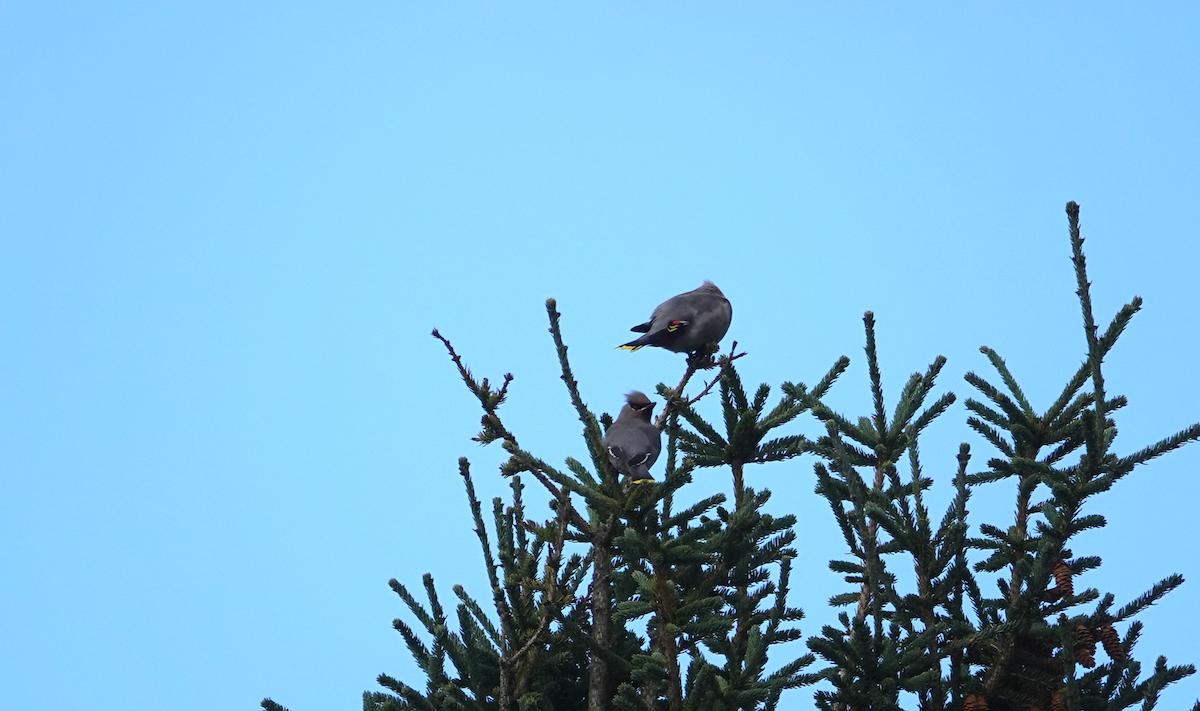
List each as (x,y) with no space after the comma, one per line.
(489,399)
(694,364)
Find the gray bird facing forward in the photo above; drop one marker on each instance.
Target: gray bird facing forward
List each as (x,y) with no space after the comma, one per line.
(686,323)
(632,442)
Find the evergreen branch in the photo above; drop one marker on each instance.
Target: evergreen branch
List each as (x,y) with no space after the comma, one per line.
(934,410)
(473,655)
(580,471)
(416,647)
(1084,523)
(849,598)
(1162,677)
(517,513)
(827,381)
(1009,381)
(477,611)
(914,394)
(987,477)
(551,603)
(990,415)
(379,701)
(1013,412)
(1159,448)
(591,427)
(1080,262)
(708,431)
(782,448)
(693,443)
(841,451)
(543,624)
(910,399)
(1119,322)
(693,511)
(1056,415)
(1068,602)
(876,378)
(733,390)
(921,524)
(1095,354)
(1150,597)
(593,495)
(956,513)
(783,413)
(576,519)
(991,434)
(442,639)
(1072,443)
(800,392)
(891,523)
(931,374)
(411,697)
(826,486)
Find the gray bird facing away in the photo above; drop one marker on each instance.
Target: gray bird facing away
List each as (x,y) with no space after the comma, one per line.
(632,442)
(686,323)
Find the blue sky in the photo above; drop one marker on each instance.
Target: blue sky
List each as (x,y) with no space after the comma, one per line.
(226,230)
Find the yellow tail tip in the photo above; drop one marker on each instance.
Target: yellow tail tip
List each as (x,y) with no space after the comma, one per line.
(629,348)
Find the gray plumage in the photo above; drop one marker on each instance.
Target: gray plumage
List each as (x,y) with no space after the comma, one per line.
(686,323)
(632,442)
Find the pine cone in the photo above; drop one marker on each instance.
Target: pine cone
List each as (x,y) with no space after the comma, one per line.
(975,702)
(1112,643)
(1062,576)
(1085,640)
(1085,647)
(1056,702)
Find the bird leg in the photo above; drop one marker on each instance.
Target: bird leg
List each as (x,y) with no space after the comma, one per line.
(702,359)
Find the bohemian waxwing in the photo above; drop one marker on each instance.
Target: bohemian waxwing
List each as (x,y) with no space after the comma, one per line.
(686,323)
(632,442)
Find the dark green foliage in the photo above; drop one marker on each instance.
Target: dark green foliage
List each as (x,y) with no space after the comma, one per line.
(1029,647)
(664,595)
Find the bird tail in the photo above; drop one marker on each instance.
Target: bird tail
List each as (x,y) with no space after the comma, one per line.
(634,344)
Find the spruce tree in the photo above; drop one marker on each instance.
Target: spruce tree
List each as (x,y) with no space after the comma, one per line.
(668,595)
